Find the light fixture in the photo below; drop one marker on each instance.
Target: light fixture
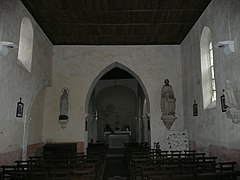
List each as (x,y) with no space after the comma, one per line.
(228,46)
(5,46)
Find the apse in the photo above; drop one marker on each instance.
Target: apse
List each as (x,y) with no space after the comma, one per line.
(117,106)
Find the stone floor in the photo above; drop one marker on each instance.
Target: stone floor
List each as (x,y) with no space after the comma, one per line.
(116,167)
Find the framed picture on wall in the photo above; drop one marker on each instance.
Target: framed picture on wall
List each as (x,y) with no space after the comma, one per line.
(223,103)
(20,106)
(195,109)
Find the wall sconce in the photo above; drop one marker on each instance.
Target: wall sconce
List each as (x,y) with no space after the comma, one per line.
(228,47)
(5,46)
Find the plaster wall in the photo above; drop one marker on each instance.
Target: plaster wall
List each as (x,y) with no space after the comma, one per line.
(117,107)
(211,131)
(17,82)
(76,67)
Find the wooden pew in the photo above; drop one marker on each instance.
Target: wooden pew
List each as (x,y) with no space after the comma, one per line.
(14,172)
(180,168)
(177,165)
(52,168)
(64,163)
(227,171)
(1,174)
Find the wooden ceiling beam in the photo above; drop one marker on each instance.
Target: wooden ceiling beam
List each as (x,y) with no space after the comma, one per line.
(114,24)
(114,11)
(113,36)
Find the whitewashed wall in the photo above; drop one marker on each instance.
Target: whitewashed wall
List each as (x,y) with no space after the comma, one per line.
(16,82)
(76,67)
(212,131)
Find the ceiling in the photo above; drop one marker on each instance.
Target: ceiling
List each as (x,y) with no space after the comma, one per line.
(116,22)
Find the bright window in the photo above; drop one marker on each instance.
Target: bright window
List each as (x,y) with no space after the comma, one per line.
(210,47)
(207,69)
(26,44)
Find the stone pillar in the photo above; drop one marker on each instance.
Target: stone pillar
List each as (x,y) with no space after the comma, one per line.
(145,127)
(25,137)
(149,128)
(140,129)
(92,130)
(95,127)
(86,132)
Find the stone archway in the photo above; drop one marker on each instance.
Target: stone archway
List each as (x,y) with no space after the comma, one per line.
(143,105)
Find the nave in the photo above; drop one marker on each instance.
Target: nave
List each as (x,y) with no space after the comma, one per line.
(134,162)
(202,70)
(116,165)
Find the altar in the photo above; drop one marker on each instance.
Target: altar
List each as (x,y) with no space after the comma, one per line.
(117,139)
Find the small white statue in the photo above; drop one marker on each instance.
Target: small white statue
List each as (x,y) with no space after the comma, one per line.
(232,110)
(64,104)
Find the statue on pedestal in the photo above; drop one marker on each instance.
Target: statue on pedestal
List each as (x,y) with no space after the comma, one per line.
(232,110)
(64,103)
(168,104)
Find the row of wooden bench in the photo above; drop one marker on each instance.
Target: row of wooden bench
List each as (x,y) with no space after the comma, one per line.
(65,166)
(145,163)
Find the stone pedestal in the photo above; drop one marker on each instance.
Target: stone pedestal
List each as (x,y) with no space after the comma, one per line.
(63,123)
(234,114)
(168,120)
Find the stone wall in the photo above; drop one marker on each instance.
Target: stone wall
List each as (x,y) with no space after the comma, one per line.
(17,82)
(211,131)
(76,67)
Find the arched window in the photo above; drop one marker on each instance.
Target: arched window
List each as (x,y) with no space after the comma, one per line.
(207,69)
(26,44)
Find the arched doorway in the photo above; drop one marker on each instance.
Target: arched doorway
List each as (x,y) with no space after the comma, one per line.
(117,99)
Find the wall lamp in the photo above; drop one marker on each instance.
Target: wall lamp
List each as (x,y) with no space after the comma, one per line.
(5,46)
(228,46)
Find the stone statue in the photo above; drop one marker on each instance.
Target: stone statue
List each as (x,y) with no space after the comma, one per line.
(168,104)
(230,99)
(232,110)
(167,99)
(64,104)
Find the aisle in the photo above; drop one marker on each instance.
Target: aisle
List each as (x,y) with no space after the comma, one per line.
(116,167)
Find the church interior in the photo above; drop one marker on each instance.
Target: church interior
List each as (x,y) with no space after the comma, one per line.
(120,89)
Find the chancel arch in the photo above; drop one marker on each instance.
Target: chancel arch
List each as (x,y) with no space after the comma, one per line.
(117,99)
